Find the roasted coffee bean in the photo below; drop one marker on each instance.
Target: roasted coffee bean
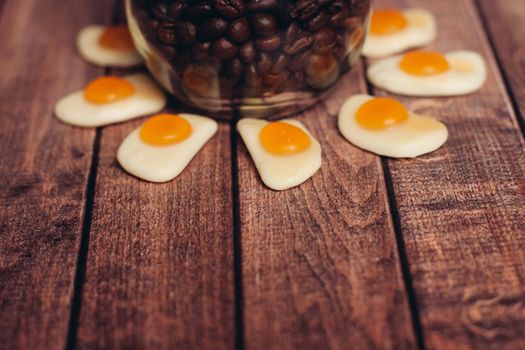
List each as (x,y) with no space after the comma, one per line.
(298,76)
(317,22)
(168,51)
(247,53)
(264,63)
(321,65)
(264,24)
(339,52)
(291,33)
(239,30)
(185,32)
(161,11)
(280,64)
(283,13)
(168,25)
(200,50)
(268,44)
(211,29)
(252,78)
(167,36)
(337,20)
(324,40)
(305,9)
(275,80)
(299,61)
(176,9)
(229,8)
(234,68)
(336,7)
(223,49)
(199,11)
(324,2)
(261,5)
(299,45)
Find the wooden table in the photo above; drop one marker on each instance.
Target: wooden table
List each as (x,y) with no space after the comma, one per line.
(371,253)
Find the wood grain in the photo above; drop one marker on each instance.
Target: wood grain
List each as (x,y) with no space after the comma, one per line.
(44,168)
(160,264)
(319,262)
(462,208)
(504,20)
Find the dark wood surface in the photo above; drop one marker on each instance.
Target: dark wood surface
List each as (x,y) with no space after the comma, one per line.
(369,254)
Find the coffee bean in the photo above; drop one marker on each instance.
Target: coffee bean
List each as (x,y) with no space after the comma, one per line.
(223,49)
(305,9)
(298,76)
(299,61)
(299,45)
(168,51)
(229,8)
(275,80)
(161,11)
(264,63)
(176,9)
(200,50)
(291,33)
(261,5)
(321,65)
(324,2)
(239,30)
(264,24)
(234,68)
(268,44)
(317,22)
(280,63)
(185,32)
(168,25)
(336,7)
(199,11)
(167,36)
(337,20)
(247,53)
(252,78)
(324,40)
(211,29)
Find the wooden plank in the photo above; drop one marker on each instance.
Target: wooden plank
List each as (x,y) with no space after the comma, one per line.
(319,262)
(160,264)
(462,208)
(506,30)
(44,168)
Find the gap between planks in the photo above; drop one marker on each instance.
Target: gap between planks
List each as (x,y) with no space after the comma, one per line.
(80,275)
(501,68)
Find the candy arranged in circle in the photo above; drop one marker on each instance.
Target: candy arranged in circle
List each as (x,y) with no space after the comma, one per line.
(284,152)
(385,127)
(394,31)
(164,145)
(108,100)
(422,73)
(108,46)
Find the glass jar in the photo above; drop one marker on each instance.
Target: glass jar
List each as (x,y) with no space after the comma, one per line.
(251,58)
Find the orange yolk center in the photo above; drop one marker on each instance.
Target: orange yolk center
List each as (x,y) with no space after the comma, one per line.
(387,21)
(380,113)
(424,63)
(282,139)
(117,37)
(165,129)
(108,89)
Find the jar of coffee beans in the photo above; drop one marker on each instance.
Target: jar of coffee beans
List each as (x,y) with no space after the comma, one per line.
(253,58)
